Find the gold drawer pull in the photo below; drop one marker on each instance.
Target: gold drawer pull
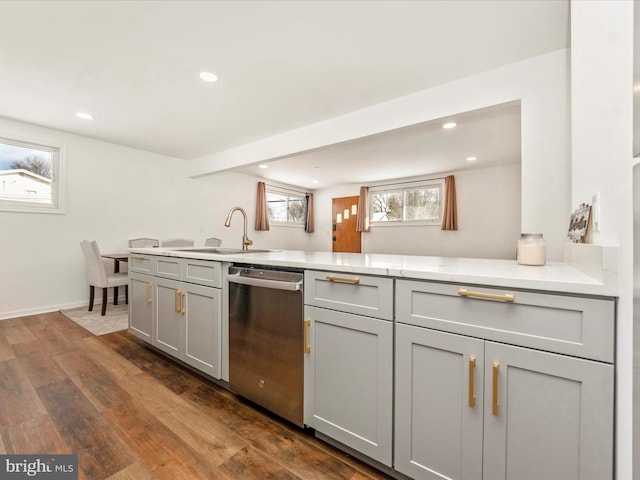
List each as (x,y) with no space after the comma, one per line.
(472,395)
(138,257)
(149,286)
(496,405)
(333,278)
(463,292)
(307,347)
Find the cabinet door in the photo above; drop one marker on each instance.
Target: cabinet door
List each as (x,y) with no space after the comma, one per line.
(201,319)
(546,415)
(167,335)
(438,404)
(141,306)
(348,380)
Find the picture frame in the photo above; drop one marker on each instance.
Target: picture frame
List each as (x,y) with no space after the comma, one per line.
(579,223)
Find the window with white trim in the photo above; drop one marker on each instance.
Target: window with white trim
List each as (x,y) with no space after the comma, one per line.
(30,177)
(413,203)
(286,207)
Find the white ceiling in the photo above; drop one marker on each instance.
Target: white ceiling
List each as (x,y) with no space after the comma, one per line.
(281,64)
(490,134)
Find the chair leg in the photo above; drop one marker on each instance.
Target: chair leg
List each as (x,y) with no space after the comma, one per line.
(115,295)
(92,293)
(104,300)
(126,294)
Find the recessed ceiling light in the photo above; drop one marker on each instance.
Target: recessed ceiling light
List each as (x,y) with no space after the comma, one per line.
(449,125)
(314,181)
(85,116)
(208,77)
(264,166)
(471,159)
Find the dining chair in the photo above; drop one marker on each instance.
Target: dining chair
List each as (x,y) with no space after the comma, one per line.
(98,276)
(143,242)
(177,242)
(212,242)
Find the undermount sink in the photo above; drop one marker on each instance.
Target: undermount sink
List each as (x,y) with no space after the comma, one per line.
(221,251)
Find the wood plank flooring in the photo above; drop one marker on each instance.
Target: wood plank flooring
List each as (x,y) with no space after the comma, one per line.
(130,413)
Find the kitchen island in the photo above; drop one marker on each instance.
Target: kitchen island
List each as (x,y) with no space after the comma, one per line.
(424,365)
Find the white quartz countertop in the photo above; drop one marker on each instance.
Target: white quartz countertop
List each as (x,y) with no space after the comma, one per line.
(552,277)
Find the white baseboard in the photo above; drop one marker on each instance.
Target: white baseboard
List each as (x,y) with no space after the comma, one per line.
(55,308)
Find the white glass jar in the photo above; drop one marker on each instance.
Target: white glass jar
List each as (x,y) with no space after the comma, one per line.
(532,249)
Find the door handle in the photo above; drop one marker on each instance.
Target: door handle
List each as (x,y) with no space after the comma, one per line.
(472,395)
(307,347)
(182,302)
(496,405)
(176,301)
(149,285)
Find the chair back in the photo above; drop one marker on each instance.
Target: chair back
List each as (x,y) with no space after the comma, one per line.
(178,242)
(212,242)
(143,242)
(96,273)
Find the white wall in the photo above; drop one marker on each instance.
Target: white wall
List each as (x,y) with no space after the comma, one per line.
(217,194)
(114,193)
(542,85)
(602,121)
(488,215)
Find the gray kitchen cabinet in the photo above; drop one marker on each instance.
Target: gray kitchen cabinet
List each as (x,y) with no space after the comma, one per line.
(551,416)
(439,404)
(470,408)
(141,305)
(186,310)
(188,323)
(349,363)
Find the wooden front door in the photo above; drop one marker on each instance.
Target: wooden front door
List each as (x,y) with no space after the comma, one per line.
(345,236)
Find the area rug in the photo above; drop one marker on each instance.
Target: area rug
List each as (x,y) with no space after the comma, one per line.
(116,318)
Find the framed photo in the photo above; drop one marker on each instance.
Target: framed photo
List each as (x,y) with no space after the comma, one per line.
(579,223)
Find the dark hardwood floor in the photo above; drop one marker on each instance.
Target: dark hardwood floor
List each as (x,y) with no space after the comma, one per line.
(130,413)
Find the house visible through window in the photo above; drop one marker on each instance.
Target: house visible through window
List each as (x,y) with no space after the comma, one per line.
(407,203)
(29,177)
(286,207)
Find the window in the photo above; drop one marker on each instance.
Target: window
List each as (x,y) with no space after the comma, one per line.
(30,179)
(286,207)
(409,203)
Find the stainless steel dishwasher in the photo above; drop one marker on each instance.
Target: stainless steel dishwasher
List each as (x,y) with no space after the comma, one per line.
(266,338)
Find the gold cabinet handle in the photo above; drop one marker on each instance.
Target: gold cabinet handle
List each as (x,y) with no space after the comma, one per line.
(138,257)
(472,395)
(496,405)
(307,347)
(334,278)
(463,292)
(149,286)
(183,294)
(176,301)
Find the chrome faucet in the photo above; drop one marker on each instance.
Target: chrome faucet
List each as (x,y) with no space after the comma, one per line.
(245,240)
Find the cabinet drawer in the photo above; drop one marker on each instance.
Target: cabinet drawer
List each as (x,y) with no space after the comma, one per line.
(359,294)
(168,267)
(202,272)
(581,327)
(141,263)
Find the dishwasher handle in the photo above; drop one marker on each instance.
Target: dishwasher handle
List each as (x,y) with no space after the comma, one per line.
(261,282)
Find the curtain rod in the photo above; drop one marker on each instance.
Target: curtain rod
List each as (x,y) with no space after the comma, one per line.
(285,188)
(407,181)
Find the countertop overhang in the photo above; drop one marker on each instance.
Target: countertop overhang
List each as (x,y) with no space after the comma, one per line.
(552,277)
